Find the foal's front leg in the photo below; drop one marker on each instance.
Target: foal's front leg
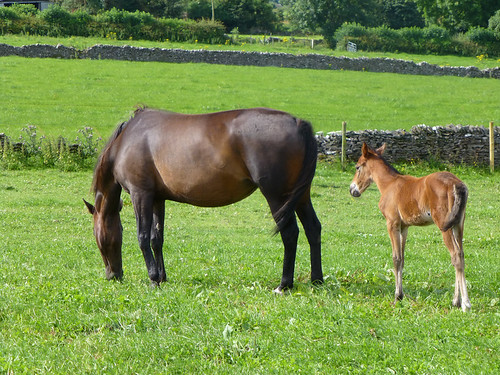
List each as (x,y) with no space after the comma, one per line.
(398,234)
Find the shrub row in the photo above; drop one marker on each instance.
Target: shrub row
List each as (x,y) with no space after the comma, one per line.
(433,39)
(32,151)
(115,24)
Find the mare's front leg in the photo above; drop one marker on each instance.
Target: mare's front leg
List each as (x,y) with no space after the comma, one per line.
(143,207)
(157,233)
(312,227)
(398,240)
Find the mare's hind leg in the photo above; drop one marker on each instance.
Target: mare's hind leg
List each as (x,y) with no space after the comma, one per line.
(289,235)
(453,240)
(312,227)
(143,207)
(157,237)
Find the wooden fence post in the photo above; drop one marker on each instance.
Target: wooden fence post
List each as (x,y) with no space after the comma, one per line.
(343,156)
(492,148)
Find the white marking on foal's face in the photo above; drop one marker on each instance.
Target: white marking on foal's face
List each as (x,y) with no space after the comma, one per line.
(354,190)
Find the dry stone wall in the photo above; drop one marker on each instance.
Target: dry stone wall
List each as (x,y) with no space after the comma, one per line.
(285,60)
(454,144)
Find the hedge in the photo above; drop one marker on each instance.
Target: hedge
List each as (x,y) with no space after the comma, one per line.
(117,24)
(433,39)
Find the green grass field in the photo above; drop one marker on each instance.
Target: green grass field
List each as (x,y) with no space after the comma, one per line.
(60,97)
(217,312)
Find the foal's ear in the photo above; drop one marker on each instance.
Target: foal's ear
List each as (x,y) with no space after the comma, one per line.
(381,149)
(89,207)
(364,149)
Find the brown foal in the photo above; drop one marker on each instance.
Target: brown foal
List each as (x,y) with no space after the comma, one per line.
(406,200)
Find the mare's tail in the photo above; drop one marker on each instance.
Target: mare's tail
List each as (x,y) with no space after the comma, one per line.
(460,194)
(287,211)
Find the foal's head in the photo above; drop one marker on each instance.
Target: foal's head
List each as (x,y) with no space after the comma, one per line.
(108,234)
(363,176)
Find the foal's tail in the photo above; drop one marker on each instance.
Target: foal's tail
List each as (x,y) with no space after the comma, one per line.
(287,211)
(460,193)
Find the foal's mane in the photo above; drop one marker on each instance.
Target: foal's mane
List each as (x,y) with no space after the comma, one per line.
(103,166)
(386,163)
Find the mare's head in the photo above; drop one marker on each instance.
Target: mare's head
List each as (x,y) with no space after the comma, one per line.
(363,176)
(108,234)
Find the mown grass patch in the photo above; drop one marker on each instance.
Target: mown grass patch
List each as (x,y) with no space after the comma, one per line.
(217,312)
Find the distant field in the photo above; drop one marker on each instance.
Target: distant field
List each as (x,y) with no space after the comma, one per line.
(60,97)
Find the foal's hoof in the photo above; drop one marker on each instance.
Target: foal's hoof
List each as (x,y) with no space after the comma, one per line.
(466,306)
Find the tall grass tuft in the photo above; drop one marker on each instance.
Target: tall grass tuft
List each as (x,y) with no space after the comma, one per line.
(34,151)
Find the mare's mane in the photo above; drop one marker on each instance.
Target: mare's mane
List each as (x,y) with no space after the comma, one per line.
(102,167)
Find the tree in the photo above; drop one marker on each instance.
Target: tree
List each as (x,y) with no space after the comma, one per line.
(163,8)
(246,15)
(328,15)
(401,13)
(199,9)
(458,16)
(128,5)
(91,6)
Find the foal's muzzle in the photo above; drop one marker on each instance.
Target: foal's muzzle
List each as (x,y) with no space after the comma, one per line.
(353,189)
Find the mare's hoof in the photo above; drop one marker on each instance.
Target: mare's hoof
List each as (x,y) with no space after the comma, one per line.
(278,291)
(317,282)
(282,289)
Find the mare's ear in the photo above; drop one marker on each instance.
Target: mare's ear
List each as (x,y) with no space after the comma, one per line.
(381,149)
(364,149)
(89,207)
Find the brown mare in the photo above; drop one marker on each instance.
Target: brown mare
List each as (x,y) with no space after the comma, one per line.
(405,201)
(205,160)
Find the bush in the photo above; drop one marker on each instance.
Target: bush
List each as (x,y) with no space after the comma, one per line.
(480,35)
(432,39)
(115,24)
(24,10)
(8,14)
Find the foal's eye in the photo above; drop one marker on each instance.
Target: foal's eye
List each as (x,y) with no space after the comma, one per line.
(357,167)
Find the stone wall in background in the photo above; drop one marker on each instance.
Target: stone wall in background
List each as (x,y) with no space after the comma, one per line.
(454,144)
(285,60)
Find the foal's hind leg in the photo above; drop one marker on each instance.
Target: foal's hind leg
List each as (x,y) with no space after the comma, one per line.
(453,240)
(312,227)
(157,237)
